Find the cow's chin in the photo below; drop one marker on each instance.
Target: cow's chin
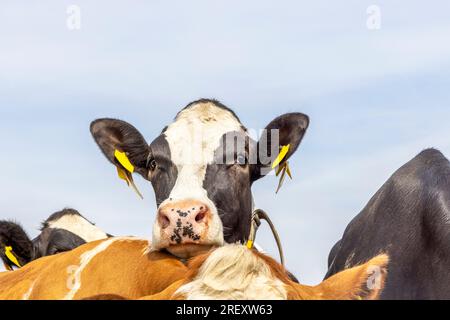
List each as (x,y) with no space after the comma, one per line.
(188,250)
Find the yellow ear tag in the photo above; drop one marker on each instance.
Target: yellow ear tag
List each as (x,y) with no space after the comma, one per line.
(281,155)
(288,170)
(249,244)
(123,160)
(284,168)
(124,175)
(11,256)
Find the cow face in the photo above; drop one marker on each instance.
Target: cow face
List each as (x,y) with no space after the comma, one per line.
(201,168)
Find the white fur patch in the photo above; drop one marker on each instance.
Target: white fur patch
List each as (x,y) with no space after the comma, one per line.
(233,272)
(79,226)
(27,295)
(85,259)
(193,139)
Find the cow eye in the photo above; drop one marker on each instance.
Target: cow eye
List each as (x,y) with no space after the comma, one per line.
(241,160)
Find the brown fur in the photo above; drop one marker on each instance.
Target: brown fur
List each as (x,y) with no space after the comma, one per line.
(350,284)
(123,271)
(347,285)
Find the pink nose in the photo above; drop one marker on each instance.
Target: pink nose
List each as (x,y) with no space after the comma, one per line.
(183,221)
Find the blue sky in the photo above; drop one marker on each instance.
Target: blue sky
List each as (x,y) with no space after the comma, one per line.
(375,98)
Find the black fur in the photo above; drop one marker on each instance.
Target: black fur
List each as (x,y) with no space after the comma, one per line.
(291,129)
(163,178)
(409,219)
(112,134)
(13,235)
(50,241)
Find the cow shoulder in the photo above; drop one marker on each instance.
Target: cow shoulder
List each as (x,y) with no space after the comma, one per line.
(408,212)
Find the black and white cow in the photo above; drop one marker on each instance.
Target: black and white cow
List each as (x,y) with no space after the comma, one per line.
(409,219)
(203,198)
(62,231)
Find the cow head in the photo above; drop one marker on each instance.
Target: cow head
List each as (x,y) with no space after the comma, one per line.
(62,231)
(201,167)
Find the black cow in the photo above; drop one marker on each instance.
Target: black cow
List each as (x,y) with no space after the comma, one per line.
(201,178)
(62,231)
(408,218)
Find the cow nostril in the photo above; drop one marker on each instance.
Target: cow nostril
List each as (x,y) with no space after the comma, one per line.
(200,216)
(164,221)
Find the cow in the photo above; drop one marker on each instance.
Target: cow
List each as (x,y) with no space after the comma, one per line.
(124,268)
(62,231)
(409,219)
(202,184)
(233,272)
(202,181)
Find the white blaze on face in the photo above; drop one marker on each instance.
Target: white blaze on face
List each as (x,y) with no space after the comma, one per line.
(193,138)
(79,226)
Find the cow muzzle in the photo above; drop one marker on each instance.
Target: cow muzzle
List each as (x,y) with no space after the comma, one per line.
(186,228)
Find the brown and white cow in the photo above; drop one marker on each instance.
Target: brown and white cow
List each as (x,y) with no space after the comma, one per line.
(201,177)
(122,268)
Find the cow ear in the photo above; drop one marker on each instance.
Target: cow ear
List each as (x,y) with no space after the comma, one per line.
(286,131)
(364,282)
(15,245)
(111,135)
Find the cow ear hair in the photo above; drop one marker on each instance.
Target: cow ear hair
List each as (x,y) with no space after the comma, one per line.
(285,130)
(15,240)
(364,282)
(111,135)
